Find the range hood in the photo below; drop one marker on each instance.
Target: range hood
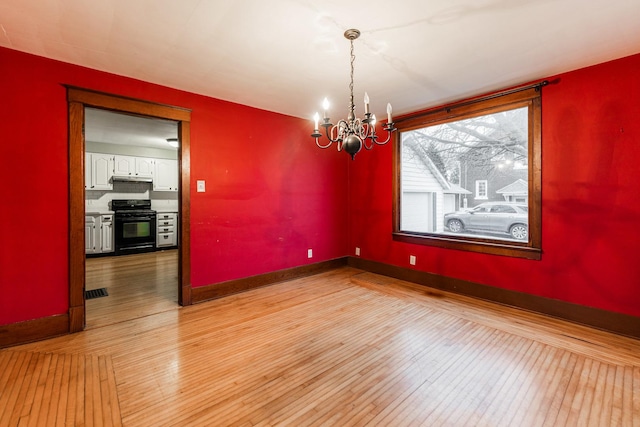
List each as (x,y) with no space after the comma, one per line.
(131,178)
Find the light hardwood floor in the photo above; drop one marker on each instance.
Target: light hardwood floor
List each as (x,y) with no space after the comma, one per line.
(138,285)
(339,348)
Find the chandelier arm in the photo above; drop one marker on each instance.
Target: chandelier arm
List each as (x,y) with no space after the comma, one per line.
(323,146)
(364,143)
(389,132)
(343,127)
(365,133)
(329,131)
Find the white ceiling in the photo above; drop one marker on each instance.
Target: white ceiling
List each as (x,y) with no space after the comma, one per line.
(116,128)
(286,55)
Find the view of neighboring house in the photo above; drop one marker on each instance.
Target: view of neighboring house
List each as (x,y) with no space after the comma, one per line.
(504,181)
(426,193)
(516,192)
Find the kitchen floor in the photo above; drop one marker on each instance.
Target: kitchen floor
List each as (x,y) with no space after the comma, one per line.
(138,285)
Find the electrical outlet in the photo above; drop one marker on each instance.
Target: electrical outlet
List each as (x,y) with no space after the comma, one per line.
(357,251)
(200,186)
(310,253)
(412,259)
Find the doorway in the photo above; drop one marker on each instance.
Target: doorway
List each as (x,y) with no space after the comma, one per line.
(131,199)
(79,99)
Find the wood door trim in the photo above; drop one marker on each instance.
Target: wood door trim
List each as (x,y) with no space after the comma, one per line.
(78,99)
(91,98)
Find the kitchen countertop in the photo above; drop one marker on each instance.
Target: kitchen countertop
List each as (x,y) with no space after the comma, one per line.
(98,211)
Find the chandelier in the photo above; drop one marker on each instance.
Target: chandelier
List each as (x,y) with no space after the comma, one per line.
(353,133)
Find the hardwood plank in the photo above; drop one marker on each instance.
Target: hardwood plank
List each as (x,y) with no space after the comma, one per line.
(14,367)
(623,397)
(635,391)
(44,401)
(63,387)
(557,384)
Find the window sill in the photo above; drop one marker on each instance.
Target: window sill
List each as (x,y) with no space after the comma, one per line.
(492,247)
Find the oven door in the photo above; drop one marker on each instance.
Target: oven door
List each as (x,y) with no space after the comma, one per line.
(134,233)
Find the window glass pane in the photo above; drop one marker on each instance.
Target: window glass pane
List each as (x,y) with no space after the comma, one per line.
(467,177)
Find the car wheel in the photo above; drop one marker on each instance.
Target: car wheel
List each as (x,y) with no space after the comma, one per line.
(455,225)
(519,231)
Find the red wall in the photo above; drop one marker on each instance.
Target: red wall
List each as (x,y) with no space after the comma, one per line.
(590,200)
(271,194)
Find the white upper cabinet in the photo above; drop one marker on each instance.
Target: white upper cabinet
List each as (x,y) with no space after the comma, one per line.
(88,182)
(144,167)
(101,168)
(141,167)
(166,175)
(124,165)
(98,171)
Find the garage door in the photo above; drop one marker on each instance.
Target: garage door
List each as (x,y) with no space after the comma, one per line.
(417,212)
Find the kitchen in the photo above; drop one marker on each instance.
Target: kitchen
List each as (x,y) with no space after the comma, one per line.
(131,214)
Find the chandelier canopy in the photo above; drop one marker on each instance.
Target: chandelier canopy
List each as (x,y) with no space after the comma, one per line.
(353,133)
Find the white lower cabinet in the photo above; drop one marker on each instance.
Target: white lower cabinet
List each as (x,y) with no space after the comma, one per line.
(167,229)
(98,234)
(91,235)
(106,234)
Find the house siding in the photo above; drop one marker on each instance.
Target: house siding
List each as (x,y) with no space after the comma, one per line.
(416,178)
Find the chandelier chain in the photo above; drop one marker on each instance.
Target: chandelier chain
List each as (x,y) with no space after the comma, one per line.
(353,59)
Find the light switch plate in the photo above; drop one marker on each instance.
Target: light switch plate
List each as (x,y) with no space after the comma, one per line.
(200,187)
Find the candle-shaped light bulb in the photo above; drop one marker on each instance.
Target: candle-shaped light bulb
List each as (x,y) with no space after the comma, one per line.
(316,119)
(325,106)
(389,110)
(366,103)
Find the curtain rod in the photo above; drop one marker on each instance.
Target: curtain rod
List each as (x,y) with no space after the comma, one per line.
(537,86)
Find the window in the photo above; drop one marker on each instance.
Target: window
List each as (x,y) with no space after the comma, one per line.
(481,189)
(478,165)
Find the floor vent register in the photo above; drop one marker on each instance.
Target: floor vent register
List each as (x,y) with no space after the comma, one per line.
(96,293)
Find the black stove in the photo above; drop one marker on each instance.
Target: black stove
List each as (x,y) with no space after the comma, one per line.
(134,205)
(135,226)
